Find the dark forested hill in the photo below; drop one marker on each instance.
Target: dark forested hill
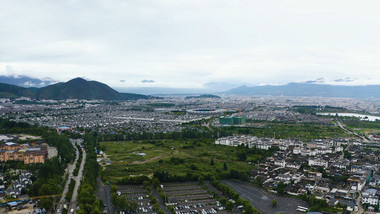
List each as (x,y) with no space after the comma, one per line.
(12,91)
(77,88)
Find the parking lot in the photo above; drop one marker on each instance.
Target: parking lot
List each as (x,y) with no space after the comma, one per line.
(262,200)
(138,194)
(191,198)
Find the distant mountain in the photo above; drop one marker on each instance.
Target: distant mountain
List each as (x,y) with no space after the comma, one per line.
(77,88)
(204,96)
(132,96)
(308,89)
(26,81)
(13,91)
(163,91)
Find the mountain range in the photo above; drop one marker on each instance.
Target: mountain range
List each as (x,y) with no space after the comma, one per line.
(310,90)
(77,88)
(26,81)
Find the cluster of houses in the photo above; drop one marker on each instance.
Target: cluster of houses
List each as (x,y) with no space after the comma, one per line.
(339,171)
(33,152)
(15,190)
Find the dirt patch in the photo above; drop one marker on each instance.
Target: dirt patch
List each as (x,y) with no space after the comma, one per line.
(28,137)
(52,151)
(28,209)
(149,160)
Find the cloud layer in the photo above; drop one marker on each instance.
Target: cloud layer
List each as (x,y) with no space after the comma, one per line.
(189,43)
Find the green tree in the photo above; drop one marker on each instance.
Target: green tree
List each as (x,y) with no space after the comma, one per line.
(212,163)
(274,203)
(281,188)
(242,156)
(156,182)
(200,179)
(225,166)
(229,206)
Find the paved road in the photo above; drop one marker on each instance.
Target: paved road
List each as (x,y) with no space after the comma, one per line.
(262,200)
(104,193)
(354,133)
(69,171)
(160,201)
(73,203)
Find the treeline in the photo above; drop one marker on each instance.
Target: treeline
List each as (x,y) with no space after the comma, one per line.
(49,181)
(11,127)
(164,176)
(49,176)
(254,154)
(77,165)
(86,194)
(305,131)
(313,109)
(71,190)
(64,147)
(353,122)
(188,133)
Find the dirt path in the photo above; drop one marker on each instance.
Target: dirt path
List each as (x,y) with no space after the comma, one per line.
(149,160)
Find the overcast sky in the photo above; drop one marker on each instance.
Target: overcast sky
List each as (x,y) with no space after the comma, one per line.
(189,43)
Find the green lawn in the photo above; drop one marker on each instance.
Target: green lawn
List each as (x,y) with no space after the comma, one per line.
(196,158)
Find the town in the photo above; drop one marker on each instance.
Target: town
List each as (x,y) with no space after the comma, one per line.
(283,148)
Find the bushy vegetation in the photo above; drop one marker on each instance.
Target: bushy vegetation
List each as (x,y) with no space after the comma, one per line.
(79,161)
(121,202)
(86,193)
(175,160)
(353,122)
(71,190)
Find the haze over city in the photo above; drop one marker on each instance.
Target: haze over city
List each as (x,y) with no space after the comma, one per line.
(187,44)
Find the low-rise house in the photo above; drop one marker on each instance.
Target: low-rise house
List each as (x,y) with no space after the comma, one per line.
(341,164)
(369,197)
(280,163)
(356,184)
(375,181)
(318,162)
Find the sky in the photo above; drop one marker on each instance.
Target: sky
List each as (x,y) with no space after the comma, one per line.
(188,44)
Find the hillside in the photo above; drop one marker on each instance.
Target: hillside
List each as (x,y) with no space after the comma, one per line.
(12,91)
(306,89)
(77,88)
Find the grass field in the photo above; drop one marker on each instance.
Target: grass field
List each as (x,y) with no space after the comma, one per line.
(173,156)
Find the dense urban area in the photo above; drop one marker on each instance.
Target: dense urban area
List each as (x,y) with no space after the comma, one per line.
(190,155)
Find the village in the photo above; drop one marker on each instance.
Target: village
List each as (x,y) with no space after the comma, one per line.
(341,171)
